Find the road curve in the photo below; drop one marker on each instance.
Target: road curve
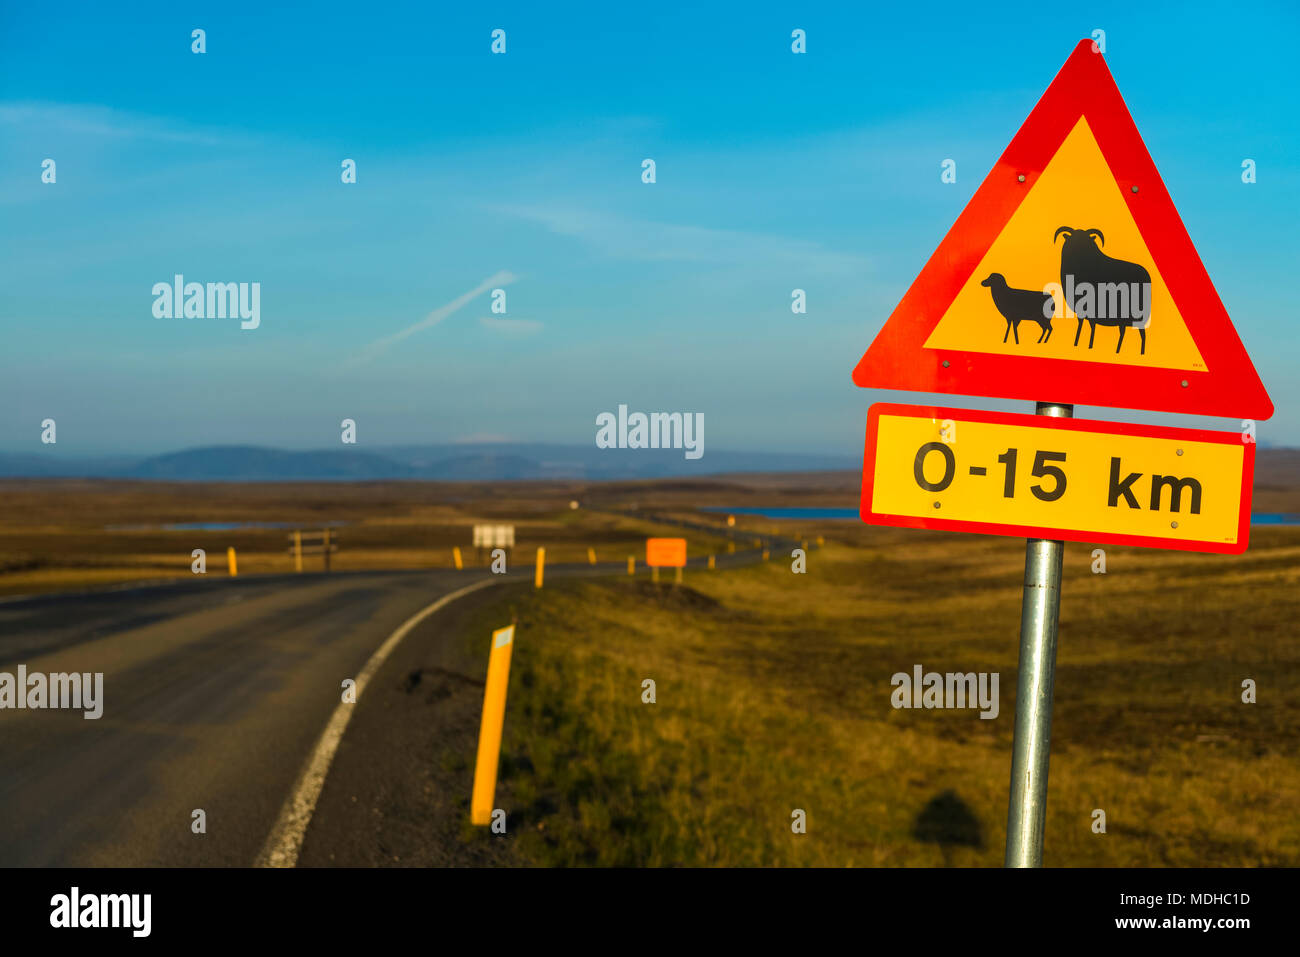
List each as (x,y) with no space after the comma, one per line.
(215,694)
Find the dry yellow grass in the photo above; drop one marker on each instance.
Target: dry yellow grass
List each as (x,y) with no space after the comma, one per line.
(773,695)
(59,536)
(773,688)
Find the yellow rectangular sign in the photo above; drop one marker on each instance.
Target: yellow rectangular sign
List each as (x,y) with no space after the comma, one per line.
(1061,479)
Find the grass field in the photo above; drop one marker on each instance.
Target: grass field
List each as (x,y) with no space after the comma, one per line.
(65,534)
(773,694)
(773,688)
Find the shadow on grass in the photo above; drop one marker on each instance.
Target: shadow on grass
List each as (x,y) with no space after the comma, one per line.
(949,822)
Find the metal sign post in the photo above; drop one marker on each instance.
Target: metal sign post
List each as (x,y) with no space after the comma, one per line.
(1040,615)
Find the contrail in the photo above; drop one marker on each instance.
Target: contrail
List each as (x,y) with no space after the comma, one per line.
(502,278)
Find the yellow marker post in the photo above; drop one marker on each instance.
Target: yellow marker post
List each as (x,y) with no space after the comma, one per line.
(765,554)
(455,555)
(541,564)
(631,564)
(591,556)
(489,732)
(712,563)
(820,541)
(230,562)
(297,550)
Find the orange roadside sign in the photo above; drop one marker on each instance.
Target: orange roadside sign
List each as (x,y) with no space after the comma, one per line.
(1070,277)
(665,552)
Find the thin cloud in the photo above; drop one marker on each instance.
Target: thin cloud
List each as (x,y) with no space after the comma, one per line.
(376,348)
(648,241)
(511,327)
(105,122)
(483,438)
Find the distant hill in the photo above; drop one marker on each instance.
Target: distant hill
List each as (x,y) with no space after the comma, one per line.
(239,463)
(479,462)
(34,465)
(1275,468)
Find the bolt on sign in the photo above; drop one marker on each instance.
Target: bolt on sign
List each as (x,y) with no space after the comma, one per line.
(665,552)
(1064,479)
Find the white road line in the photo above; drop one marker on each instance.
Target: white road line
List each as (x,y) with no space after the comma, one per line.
(285,841)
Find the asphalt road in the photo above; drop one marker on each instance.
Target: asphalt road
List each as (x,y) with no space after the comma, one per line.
(215,693)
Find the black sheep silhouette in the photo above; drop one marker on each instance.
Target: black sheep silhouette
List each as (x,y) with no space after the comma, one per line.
(1118,287)
(1021,305)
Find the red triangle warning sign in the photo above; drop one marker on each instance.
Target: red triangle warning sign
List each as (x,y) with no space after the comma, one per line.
(1069,277)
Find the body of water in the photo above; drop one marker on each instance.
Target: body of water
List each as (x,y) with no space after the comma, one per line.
(1257,518)
(789,512)
(219,526)
(1274,518)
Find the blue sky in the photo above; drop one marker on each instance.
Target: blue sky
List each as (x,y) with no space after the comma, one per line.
(775,172)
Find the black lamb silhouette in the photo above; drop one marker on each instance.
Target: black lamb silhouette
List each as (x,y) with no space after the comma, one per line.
(1021,305)
(1120,291)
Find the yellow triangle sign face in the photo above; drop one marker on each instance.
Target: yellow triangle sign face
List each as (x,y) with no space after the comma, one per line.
(1076,190)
